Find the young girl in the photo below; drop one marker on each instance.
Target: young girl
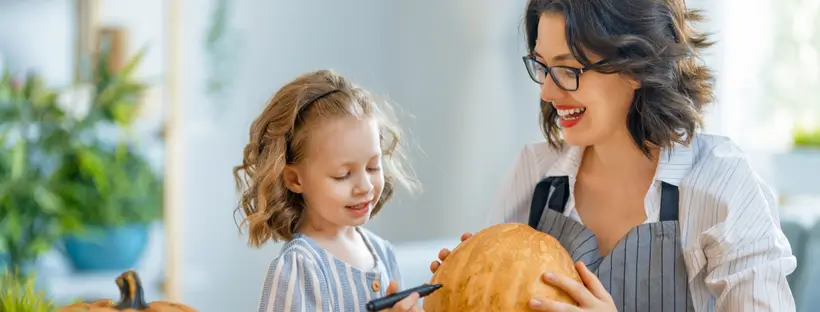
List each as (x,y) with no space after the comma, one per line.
(323,158)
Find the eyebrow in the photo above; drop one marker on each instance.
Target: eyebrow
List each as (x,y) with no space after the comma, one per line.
(557,58)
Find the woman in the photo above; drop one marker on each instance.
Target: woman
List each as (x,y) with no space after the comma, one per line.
(664,218)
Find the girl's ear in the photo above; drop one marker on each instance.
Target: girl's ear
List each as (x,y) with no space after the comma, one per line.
(292,179)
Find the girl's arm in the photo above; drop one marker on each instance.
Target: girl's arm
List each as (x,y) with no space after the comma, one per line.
(295,283)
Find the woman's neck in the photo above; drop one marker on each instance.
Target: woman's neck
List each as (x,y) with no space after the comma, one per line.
(620,157)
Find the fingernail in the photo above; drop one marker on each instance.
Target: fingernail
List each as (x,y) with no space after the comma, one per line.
(549,276)
(535,303)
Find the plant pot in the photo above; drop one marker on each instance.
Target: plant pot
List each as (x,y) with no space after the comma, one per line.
(107,248)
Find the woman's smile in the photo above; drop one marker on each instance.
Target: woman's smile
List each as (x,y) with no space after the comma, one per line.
(570,115)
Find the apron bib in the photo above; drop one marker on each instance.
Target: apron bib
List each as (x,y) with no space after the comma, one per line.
(644,272)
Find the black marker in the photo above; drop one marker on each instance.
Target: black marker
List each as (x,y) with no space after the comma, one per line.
(390,301)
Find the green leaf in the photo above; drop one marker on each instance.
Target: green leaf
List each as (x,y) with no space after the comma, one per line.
(132,64)
(3,138)
(47,201)
(40,245)
(123,112)
(12,226)
(18,166)
(94,166)
(70,224)
(121,152)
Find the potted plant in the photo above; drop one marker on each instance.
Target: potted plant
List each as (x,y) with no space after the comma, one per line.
(116,193)
(806,139)
(32,214)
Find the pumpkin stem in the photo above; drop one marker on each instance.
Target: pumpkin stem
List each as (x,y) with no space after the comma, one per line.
(131,294)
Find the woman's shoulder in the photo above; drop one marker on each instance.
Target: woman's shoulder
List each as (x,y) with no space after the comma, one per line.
(710,147)
(722,172)
(538,157)
(717,155)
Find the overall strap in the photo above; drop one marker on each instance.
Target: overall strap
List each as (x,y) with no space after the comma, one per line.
(541,198)
(669,202)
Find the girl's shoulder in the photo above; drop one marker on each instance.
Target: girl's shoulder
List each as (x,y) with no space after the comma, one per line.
(305,251)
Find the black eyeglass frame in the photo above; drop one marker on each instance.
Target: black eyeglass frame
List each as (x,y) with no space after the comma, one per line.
(548,71)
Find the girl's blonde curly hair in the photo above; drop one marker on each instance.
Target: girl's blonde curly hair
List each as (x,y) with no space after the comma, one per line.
(278,137)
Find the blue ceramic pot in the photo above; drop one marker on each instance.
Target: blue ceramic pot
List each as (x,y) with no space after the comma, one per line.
(114,248)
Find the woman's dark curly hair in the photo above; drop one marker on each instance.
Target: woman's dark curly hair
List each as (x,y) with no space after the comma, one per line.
(652,41)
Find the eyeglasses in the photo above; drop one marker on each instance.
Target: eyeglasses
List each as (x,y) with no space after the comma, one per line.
(565,77)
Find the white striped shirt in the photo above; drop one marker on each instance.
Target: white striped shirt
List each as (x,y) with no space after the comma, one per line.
(736,255)
(307,278)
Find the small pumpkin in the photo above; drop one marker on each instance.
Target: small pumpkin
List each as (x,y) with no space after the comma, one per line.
(500,269)
(131,299)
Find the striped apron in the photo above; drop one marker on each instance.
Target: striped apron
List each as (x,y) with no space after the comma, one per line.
(644,272)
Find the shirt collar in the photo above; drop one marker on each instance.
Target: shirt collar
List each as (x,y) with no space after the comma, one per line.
(674,163)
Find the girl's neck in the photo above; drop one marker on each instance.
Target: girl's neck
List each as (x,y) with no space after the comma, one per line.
(323,230)
(620,157)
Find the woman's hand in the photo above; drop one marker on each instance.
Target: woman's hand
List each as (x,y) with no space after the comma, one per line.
(409,304)
(591,296)
(446,252)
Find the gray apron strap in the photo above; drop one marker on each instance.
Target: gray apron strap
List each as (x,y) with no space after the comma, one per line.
(541,198)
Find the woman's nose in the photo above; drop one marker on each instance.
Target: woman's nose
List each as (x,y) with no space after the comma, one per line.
(550,92)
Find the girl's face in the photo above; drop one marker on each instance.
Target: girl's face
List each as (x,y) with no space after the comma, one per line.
(341,177)
(597,110)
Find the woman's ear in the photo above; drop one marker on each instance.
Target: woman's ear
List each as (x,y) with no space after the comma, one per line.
(292,179)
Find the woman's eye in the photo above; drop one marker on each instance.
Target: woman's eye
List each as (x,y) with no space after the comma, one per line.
(374,169)
(568,73)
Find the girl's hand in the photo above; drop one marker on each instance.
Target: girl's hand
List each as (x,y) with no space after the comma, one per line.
(591,296)
(446,252)
(409,304)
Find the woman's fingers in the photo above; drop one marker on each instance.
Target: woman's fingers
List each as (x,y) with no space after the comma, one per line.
(576,290)
(592,282)
(552,306)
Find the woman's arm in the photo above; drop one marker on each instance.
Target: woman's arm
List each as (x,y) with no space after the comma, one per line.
(747,256)
(295,283)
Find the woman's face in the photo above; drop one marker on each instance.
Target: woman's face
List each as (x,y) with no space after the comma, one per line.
(597,110)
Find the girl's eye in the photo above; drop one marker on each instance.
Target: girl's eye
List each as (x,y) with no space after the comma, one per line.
(342,177)
(374,169)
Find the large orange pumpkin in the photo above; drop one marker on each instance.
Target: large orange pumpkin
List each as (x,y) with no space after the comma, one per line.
(131,300)
(500,269)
